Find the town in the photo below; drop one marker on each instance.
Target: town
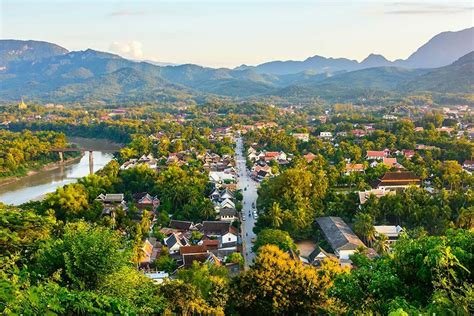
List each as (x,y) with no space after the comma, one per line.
(197,196)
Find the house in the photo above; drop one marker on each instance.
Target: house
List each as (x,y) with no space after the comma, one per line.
(398,180)
(222,231)
(221,177)
(112,202)
(227,203)
(204,257)
(468,165)
(446,129)
(304,137)
(157,277)
(339,236)
(358,132)
(419,129)
(182,226)
(144,201)
(149,251)
(354,167)
(391,163)
(408,153)
(392,232)
(325,135)
(174,242)
(228,214)
(376,154)
(378,193)
(309,157)
(390,117)
(318,255)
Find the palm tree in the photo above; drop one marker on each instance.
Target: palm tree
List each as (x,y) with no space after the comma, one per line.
(381,245)
(276,215)
(364,228)
(466,218)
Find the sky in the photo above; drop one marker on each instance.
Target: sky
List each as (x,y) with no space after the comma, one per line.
(225,33)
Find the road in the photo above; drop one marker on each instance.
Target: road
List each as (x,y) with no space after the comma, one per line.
(250,197)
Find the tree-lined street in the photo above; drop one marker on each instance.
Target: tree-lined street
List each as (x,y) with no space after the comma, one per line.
(249,191)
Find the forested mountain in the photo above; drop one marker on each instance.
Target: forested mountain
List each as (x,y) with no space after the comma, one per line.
(455,78)
(53,74)
(14,50)
(441,50)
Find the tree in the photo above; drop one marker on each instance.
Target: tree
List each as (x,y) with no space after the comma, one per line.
(277,285)
(235,257)
(364,227)
(276,237)
(381,244)
(130,285)
(84,256)
(23,232)
(299,193)
(69,202)
(276,215)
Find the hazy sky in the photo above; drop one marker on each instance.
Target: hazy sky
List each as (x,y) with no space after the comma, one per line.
(229,33)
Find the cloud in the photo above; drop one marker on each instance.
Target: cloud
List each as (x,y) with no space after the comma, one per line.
(131,49)
(415,8)
(126,13)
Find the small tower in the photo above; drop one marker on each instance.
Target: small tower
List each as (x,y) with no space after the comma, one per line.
(22,105)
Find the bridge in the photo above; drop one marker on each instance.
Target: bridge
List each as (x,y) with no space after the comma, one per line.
(61,152)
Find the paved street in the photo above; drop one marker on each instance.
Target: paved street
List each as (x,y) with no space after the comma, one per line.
(250,197)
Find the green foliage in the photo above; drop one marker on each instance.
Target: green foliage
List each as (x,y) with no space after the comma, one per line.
(22,232)
(274,237)
(424,274)
(291,200)
(84,255)
(25,151)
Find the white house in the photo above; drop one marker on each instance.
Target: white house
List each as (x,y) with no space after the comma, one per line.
(339,236)
(325,134)
(392,232)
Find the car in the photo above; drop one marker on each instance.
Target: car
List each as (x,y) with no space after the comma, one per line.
(243,217)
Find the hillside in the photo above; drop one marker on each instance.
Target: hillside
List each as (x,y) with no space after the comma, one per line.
(18,51)
(455,78)
(97,76)
(441,50)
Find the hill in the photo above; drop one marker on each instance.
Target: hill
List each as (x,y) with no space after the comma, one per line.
(455,78)
(18,51)
(441,50)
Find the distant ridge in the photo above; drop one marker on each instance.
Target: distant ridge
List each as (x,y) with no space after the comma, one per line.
(441,50)
(18,51)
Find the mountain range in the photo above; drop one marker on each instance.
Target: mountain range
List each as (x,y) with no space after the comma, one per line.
(47,72)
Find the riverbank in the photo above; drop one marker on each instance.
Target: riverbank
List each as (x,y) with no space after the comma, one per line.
(47,167)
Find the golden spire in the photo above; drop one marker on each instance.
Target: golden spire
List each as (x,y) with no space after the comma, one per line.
(22,105)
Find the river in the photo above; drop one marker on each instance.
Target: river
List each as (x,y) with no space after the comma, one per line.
(37,185)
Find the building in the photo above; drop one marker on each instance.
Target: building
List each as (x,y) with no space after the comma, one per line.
(391,163)
(378,193)
(309,157)
(112,202)
(339,236)
(376,154)
(392,232)
(304,137)
(325,135)
(157,277)
(398,180)
(354,167)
